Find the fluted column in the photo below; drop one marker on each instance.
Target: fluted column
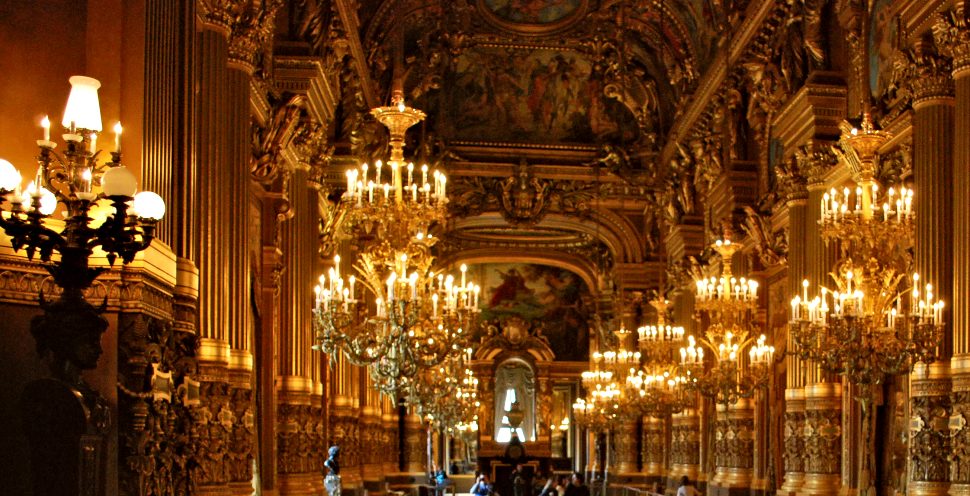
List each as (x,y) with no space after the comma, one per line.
(733,447)
(210,252)
(798,222)
(933,119)
(952,34)
(295,365)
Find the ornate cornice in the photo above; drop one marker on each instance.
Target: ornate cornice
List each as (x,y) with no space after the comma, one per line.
(251,30)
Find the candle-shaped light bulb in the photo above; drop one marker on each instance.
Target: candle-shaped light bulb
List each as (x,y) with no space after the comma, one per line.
(46,124)
(117,129)
(464,269)
(94,143)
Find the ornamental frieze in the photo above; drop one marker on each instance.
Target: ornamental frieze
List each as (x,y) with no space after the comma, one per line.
(821,433)
(794,446)
(930,436)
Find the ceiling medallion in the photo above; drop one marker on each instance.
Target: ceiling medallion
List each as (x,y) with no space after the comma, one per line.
(533,17)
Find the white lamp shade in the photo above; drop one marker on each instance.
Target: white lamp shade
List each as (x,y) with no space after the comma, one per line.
(48,202)
(149,205)
(9,176)
(119,181)
(83,108)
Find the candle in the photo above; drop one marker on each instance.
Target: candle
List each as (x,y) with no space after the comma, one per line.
(363,171)
(390,286)
(377,167)
(353,280)
(434,305)
(94,143)
(387,191)
(464,269)
(424,173)
(46,124)
(117,130)
(350,184)
(370,191)
(444,186)
(414,193)
(410,170)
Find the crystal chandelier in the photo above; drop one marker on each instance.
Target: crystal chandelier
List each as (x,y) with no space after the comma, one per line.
(729,304)
(866,326)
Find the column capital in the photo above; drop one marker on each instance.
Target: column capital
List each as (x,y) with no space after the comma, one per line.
(813,161)
(928,72)
(952,36)
(251,28)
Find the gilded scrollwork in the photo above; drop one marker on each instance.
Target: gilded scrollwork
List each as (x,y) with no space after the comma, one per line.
(794,446)
(685,444)
(929,442)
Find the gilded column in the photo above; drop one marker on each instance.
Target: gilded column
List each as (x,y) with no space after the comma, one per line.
(652,452)
(822,391)
(734,447)
(952,35)
(685,444)
(793,184)
(624,448)
(822,433)
(294,363)
(929,429)
(414,444)
(389,436)
(932,87)
(370,439)
(211,255)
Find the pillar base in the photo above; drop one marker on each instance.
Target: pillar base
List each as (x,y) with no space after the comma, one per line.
(793,482)
(296,484)
(923,488)
(821,485)
(959,489)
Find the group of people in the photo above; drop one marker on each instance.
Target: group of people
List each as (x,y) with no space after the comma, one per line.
(565,485)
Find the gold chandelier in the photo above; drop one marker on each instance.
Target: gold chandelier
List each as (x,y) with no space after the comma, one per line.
(410,317)
(658,388)
(729,304)
(866,326)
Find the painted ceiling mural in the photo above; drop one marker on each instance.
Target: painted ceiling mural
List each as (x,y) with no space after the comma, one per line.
(555,301)
(530,95)
(533,11)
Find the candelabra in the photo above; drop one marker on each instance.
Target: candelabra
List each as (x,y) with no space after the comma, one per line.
(729,303)
(71,328)
(872,323)
(116,220)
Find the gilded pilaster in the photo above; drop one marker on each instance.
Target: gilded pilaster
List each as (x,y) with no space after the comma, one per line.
(389,436)
(294,431)
(414,445)
(822,435)
(929,443)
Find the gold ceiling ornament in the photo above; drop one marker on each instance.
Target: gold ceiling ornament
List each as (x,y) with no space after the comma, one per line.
(729,303)
(395,199)
(415,318)
(875,321)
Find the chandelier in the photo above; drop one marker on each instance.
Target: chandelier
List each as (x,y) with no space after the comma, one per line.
(101,209)
(658,388)
(875,320)
(416,319)
(408,317)
(379,202)
(729,304)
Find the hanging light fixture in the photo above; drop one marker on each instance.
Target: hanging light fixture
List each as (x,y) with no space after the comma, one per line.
(729,304)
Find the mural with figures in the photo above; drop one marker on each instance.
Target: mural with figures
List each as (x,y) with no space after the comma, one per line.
(556,301)
(502,94)
(532,11)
